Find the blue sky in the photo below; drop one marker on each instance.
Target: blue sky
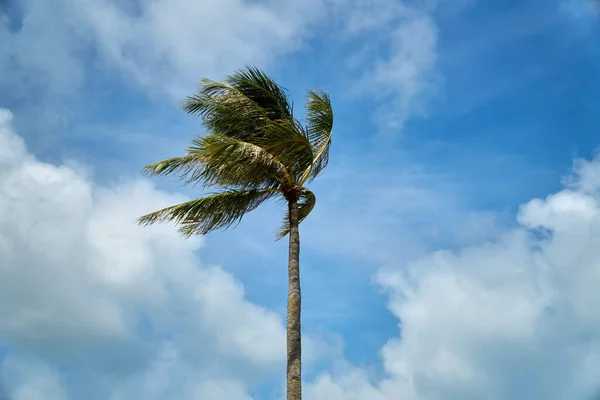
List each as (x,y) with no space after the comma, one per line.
(453,251)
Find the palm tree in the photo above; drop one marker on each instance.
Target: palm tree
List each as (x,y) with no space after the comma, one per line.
(254,150)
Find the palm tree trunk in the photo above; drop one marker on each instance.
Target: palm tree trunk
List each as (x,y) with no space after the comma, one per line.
(294,346)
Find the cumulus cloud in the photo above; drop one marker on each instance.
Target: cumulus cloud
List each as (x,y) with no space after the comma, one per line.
(511,318)
(30,380)
(170,374)
(164,47)
(168,45)
(58,50)
(83,287)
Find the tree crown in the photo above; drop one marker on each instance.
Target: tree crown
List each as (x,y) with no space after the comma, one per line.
(254,149)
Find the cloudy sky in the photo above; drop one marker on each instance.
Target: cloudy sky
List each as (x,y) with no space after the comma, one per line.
(454,252)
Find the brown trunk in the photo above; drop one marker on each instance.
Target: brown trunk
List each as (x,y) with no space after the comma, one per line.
(294,346)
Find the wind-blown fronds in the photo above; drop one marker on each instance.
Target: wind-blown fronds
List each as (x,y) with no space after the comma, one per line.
(242,106)
(264,91)
(217,211)
(319,126)
(179,165)
(225,110)
(234,163)
(253,149)
(283,139)
(306,203)
(221,161)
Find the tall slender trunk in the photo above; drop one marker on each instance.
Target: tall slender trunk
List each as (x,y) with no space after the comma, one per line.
(294,345)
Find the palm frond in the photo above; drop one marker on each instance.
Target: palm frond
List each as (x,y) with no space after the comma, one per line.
(177,165)
(235,163)
(288,143)
(241,105)
(254,149)
(264,91)
(306,203)
(225,110)
(217,160)
(206,214)
(319,126)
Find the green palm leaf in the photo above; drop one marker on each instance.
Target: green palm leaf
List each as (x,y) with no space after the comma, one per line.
(218,160)
(286,140)
(265,92)
(319,126)
(235,163)
(241,106)
(225,110)
(178,165)
(217,211)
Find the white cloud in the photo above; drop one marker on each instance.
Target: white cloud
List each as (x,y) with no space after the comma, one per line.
(170,374)
(81,284)
(358,16)
(513,318)
(169,45)
(40,56)
(164,47)
(56,51)
(401,74)
(40,67)
(399,71)
(408,75)
(31,380)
